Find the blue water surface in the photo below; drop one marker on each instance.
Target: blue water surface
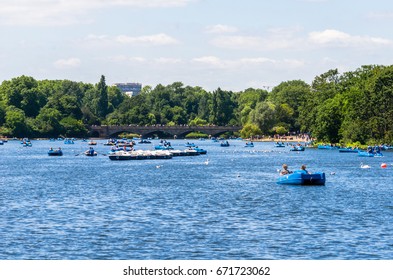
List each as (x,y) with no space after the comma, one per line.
(76,207)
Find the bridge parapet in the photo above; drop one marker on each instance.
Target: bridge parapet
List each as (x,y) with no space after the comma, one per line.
(112,130)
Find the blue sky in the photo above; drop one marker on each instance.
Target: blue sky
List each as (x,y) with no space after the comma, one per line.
(209,43)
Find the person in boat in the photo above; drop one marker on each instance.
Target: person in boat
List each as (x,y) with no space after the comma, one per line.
(51,149)
(285,170)
(303,168)
(91,151)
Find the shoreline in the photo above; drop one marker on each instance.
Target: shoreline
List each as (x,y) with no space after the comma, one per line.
(292,139)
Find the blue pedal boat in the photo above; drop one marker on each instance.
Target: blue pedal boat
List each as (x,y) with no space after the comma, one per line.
(299,177)
(55,153)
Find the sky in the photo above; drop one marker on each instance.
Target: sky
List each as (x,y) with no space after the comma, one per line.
(229,44)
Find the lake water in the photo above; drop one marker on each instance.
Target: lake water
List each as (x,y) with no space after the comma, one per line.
(77,207)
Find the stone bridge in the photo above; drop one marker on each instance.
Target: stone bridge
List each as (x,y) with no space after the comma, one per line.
(104,131)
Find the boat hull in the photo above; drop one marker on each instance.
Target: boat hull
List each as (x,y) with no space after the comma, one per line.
(299,178)
(297,149)
(139,155)
(55,153)
(367,154)
(348,150)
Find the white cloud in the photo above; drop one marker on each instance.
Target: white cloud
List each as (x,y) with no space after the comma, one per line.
(168,60)
(67,63)
(275,38)
(105,41)
(380,15)
(220,28)
(209,60)
(61,12)
(250,62)
(123,58)
(292,39)
(137,59)
(255,42)
(337,38)
(156,39)
(238,42)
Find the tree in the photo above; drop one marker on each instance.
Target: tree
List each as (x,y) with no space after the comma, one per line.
(222,107)
(289,97)
(323,87)
(102,102)
(264,116)
(328,121)
(73,127)
(198,122)
(250,130)
(48,122)
(15,121)
(115,98)
(247,101)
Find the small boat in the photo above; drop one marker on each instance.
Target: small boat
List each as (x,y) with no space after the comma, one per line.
(369,154)
(249,145)
(224,144)
(279,145)
(348,150)
(163,147)
(90,152)
(297,148)
(27,144)
(188,144)
(365,154)
(327,147)
(92,143)
(300,177)
(57,152)
(110,142)
(117,149)
(187,152)
(144,141)
(199,150)
(68,141)
(1,142)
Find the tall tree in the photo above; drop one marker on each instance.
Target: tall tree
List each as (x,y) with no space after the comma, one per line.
(222,110)
(102,102)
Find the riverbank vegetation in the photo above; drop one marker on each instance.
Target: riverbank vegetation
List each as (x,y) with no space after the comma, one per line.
(355,106)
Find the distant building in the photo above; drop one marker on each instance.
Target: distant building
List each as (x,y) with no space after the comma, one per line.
(131,89)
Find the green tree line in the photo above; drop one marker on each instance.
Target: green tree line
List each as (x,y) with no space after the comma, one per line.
(355,106)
